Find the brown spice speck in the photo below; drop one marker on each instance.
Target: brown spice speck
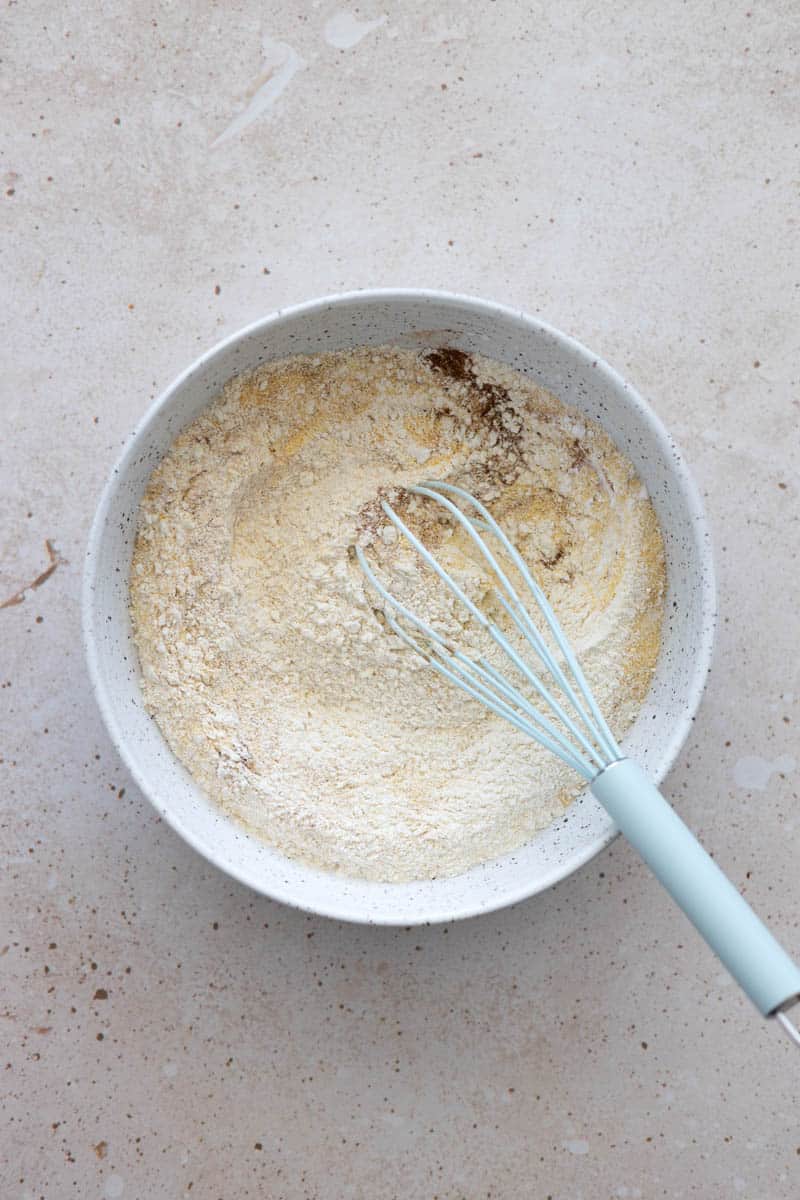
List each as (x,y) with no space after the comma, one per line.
(101,1149)
(490,403)
(101,994)
(448,360)
(554,559)
(579,454)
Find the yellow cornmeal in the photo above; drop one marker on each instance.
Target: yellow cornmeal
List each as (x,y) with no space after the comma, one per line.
(264,661)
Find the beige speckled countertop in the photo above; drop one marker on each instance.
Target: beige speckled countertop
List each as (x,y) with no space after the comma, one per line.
(628,172)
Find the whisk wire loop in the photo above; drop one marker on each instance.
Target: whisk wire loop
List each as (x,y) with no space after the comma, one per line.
(479,679)
(460,670)
(518,613)
(607,739)
(491,628)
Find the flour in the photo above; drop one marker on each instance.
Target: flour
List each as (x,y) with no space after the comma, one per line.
(264,660)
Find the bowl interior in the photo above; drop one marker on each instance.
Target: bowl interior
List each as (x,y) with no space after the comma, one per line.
(412,319)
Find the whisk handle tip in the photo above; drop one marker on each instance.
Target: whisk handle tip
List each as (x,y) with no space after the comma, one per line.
(719,912)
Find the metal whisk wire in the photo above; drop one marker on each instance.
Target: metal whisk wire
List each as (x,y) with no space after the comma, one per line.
(582,739)
(477,677)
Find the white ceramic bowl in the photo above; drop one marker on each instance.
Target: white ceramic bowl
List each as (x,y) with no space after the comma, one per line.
(416,319)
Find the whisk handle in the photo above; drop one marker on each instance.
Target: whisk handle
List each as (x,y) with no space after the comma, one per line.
(724,918)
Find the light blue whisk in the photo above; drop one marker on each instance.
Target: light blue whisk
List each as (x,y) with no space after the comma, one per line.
(576,731)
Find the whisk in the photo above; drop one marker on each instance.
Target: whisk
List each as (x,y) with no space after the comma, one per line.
(564,717)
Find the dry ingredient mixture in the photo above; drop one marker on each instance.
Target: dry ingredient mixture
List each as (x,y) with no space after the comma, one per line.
(265,662)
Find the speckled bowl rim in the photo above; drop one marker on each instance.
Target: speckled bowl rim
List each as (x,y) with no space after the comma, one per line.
(706,605)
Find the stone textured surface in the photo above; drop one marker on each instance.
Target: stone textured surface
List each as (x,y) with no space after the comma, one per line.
(628,173)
